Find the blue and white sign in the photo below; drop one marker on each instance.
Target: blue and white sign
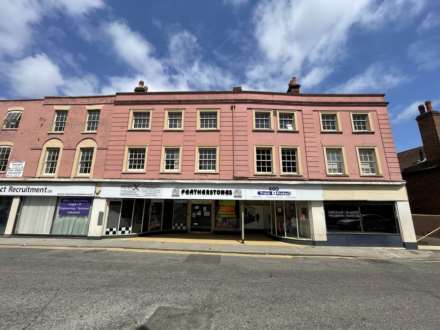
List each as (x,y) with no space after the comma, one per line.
(79,207)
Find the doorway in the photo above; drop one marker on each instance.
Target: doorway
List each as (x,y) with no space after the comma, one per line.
(201,216)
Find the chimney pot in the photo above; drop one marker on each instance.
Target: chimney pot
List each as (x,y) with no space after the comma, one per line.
(428,105)
(422,109)
(141,88)
(294,87)
(236,89)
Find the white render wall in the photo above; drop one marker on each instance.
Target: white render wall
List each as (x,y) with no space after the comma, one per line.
(406,222)
(317,221)
(12,215)
(95,229)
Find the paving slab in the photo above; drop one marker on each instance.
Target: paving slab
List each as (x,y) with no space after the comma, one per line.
(173,245)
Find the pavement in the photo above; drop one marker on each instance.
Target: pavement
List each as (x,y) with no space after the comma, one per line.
(75,288)
(257,245)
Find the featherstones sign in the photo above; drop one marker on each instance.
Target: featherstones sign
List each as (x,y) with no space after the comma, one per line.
(221,191)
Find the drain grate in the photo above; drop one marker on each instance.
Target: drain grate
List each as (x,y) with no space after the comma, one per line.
(203,259)
(166,317)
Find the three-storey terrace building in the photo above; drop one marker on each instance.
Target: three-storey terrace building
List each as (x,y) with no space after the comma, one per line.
(318,168)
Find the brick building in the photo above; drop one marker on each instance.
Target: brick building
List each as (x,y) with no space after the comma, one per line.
(314,168)
(421,166)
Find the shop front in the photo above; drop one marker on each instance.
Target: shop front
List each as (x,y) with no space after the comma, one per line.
(48,209)
(280,211)
(362,223)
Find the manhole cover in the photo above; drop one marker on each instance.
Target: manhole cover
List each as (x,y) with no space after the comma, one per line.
(177,318)
(203,259)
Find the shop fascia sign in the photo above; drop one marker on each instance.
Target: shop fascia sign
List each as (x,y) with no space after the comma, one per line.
(211,192)
(46,190)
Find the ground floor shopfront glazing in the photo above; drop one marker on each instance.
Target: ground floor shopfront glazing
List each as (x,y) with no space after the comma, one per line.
(317,213)
(141,216)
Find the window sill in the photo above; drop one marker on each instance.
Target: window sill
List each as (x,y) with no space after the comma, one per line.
(371,175)
(55,133)
(139,129)
(173,129)
(89,132)
(363,132)
(291,174)
(331,132)
(265,174)
(263,130)
(9,129)
(134,172)
(208,129)
(171,172)
(337,175)
(287,131)
(206,172)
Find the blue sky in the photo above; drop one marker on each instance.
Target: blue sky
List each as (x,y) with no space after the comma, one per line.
(86,47)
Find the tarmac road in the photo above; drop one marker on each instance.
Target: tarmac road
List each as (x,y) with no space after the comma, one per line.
(83,289)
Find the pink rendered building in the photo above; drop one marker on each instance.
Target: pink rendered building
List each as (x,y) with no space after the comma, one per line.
(317,168)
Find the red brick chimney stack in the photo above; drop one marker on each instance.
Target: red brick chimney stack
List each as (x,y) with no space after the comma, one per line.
(429,126)
(294,87)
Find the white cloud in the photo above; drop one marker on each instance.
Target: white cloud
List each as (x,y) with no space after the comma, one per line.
(409,112)
(34,76)
(425,54)
(297,36)
(38,76)
(375,78)
(382,12)
(315,76)
(181,68)
(235,3)
(85,85)
(431,21)
(75,7)
(18,19)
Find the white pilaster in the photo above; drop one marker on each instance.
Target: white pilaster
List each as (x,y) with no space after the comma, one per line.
(12,215)
(406,224)
(96,225)
(317,222)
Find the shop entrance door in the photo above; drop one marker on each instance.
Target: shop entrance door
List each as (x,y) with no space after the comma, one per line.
(201,216)
(156,214)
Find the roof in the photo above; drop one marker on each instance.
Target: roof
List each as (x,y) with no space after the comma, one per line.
(410,157)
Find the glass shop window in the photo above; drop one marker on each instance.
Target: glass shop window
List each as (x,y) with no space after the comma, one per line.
(361,217)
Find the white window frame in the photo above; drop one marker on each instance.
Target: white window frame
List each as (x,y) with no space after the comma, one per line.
(369,122)
(56,113)
(376,156)
(254,119)
(78,165)
(344,161)
(11,111)
(271,147)
(9,156)
(199,119)
(87,120)
(131,120)
(167,123)
(298,160)
(127,156)
(217,156)
(338,122)
(45,161)
(294,128)
(163,160)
